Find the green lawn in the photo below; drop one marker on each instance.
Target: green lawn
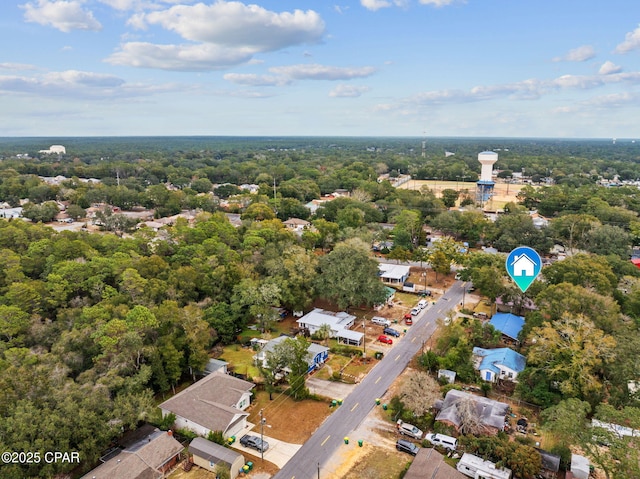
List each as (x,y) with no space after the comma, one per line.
(241,360)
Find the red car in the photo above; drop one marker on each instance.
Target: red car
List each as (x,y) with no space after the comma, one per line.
(408,321)
(385,339)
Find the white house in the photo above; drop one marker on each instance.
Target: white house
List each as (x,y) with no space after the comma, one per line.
(393,273)
(340,324)
(215,403)
(296,225)
(476,467)
(523,266)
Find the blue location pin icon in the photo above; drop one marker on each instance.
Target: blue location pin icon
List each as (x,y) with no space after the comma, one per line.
(523,265)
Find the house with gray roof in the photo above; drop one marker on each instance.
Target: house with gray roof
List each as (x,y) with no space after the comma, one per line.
(217,402)
(208,455)
(491,413)
(500,363)
(150,456)
(429,463)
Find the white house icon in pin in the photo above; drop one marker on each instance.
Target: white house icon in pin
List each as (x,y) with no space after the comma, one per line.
(523,266)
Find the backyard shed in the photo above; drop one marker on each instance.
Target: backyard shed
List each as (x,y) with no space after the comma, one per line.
(208,455)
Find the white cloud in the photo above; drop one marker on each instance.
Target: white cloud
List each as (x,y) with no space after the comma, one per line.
(16,66)
(256,80)
(62,15)
(348,91)
(225,34)
(608,68)
(524,90)
(322,72)
(234,24)
(201,57)
(631,42)
(580,54)
(77,84)
(127,5)
(437,3)
(375,5)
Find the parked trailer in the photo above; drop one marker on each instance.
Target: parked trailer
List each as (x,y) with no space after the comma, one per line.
(478,468)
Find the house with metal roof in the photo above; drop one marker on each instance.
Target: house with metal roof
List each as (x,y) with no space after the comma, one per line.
(217,402)
(208,455)
(340,324)
(393,273)
(508,324)
(501,363)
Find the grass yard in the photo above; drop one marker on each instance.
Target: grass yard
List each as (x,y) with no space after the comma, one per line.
(378,463)
(241,360)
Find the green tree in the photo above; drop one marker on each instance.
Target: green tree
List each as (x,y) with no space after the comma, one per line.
(572,351)
(349,276)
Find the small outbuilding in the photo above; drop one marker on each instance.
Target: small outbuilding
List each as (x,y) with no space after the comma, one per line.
(208,455)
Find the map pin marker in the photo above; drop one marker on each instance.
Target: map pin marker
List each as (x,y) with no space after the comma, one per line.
(523,265)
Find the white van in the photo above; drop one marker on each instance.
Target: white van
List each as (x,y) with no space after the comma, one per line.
(409,430)
(381,321)
(422,304)
(447,442)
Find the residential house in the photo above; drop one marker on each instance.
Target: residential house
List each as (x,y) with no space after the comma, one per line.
(501,363)
(151,454)
(318,354)
(393,273)
(296,225)
(340,324)
(508,324)
(429,463)
(215,365)
(208,455)
(216,402)
(491,413)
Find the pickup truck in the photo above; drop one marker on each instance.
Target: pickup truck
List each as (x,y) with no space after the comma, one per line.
(254,442)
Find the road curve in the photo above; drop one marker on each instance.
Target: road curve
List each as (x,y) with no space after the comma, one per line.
(309,459)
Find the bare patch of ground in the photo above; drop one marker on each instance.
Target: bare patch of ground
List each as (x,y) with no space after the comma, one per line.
(288,420)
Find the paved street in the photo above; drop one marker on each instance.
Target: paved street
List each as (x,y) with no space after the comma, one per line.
(330,435)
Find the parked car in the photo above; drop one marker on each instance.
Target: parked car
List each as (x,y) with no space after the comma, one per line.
(409,430)
(415,311)
(408,316)
(392,332)
(407,446)
(381,321)
(425,292)
(385,339)
(408,321)
(443,440)
(254,442)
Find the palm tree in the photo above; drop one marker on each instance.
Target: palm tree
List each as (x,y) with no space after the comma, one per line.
(324,333)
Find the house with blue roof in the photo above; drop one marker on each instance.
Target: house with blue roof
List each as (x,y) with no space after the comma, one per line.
(508,324)
(501,363)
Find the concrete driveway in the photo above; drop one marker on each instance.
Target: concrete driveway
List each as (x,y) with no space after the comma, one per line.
(279,452)
(329,389)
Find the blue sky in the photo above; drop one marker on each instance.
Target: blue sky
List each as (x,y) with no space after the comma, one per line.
(512,68)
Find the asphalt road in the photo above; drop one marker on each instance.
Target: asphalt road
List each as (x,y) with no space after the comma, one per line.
(307,462)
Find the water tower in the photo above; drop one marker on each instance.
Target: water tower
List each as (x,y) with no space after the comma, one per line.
(484,186)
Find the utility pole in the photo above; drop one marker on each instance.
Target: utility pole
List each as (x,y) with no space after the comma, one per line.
(261,435)
(364,341)
(318,470)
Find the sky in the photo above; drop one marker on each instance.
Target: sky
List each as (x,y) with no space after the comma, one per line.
(417,68)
